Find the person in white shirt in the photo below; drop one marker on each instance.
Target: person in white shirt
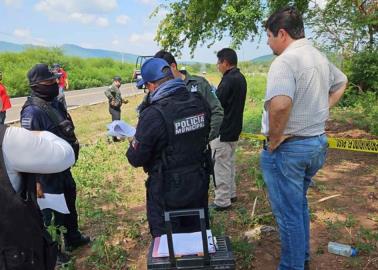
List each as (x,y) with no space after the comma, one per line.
(24,242)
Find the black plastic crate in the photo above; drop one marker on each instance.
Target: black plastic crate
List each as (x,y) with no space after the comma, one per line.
(221,259)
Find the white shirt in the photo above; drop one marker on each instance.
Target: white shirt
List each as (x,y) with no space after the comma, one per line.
(305,75)
(34,152)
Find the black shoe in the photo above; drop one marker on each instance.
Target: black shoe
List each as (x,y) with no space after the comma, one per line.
(62,258)
(219,208)
(82,241)
(307,265)
(234,199)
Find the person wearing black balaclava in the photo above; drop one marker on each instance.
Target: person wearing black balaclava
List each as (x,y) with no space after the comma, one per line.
(43,112)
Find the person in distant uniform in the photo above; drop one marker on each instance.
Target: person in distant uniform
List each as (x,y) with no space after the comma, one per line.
(114,96)
(4,100)
(62,82)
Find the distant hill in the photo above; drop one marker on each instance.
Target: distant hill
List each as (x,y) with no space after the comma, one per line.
(263,59)
(74,50)
(11,47)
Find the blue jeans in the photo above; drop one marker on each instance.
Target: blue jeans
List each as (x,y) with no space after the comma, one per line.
(287,172)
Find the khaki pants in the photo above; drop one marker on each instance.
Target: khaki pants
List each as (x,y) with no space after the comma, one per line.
(224,153)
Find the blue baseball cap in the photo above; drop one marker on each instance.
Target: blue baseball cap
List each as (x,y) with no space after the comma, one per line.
(152,70)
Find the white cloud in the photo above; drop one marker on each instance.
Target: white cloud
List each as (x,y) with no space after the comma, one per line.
(123,19)
(13,3)
(146,37)
(115,42)
(82,6)
(148,2)
(83,11)
(22,33)
(82,18)
(26,37)
(102,22)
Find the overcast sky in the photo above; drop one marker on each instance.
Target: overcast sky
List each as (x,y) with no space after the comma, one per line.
(121,25)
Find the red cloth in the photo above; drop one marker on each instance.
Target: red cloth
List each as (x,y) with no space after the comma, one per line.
(62,78)
(4,98)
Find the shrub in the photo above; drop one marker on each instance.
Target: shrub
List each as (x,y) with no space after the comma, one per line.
(82,73)
(363,71)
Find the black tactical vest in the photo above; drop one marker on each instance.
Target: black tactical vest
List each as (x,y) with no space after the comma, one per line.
(185,179)
(24,242)
(188,125)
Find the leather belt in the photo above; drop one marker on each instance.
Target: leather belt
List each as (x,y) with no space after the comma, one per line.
(291,139)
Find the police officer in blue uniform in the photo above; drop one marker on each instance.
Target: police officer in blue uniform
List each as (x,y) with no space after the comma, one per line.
(171,145)
(42,111)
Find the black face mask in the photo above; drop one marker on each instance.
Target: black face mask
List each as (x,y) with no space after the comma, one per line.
(46,92)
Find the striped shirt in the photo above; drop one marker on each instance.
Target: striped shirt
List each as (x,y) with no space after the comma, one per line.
(305,75)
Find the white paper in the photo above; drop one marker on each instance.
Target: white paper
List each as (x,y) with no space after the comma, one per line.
(56,202)
(119,128)
(186,244)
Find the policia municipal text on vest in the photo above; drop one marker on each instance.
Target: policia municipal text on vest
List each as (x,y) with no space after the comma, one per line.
(24,242)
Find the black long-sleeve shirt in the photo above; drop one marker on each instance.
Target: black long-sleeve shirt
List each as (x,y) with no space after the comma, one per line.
(232,92)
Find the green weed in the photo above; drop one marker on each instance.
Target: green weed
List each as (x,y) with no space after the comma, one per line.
(243,250)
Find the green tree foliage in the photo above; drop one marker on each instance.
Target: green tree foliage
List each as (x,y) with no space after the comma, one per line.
(82,73)
(202,22)
(348,25)
(363,71)
(345,26)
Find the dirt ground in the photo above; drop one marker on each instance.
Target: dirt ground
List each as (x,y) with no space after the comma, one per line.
(352,176)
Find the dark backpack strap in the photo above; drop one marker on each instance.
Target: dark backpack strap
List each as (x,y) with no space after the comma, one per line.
(54,116)
(3,128)
(170,135)
(167,123)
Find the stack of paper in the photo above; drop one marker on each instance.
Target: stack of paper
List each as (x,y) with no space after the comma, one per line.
(119,128)
(183,244)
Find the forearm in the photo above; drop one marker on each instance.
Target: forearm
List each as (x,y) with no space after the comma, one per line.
(335,96)
(277,123)
(279,113)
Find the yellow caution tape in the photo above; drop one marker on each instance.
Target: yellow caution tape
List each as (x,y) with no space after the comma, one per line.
(360,145)
(250,136)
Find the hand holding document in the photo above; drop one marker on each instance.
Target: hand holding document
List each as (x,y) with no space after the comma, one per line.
(183,244)
(119,128)
(55,202)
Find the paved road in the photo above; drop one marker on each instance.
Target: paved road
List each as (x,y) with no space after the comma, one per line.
(74,99)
